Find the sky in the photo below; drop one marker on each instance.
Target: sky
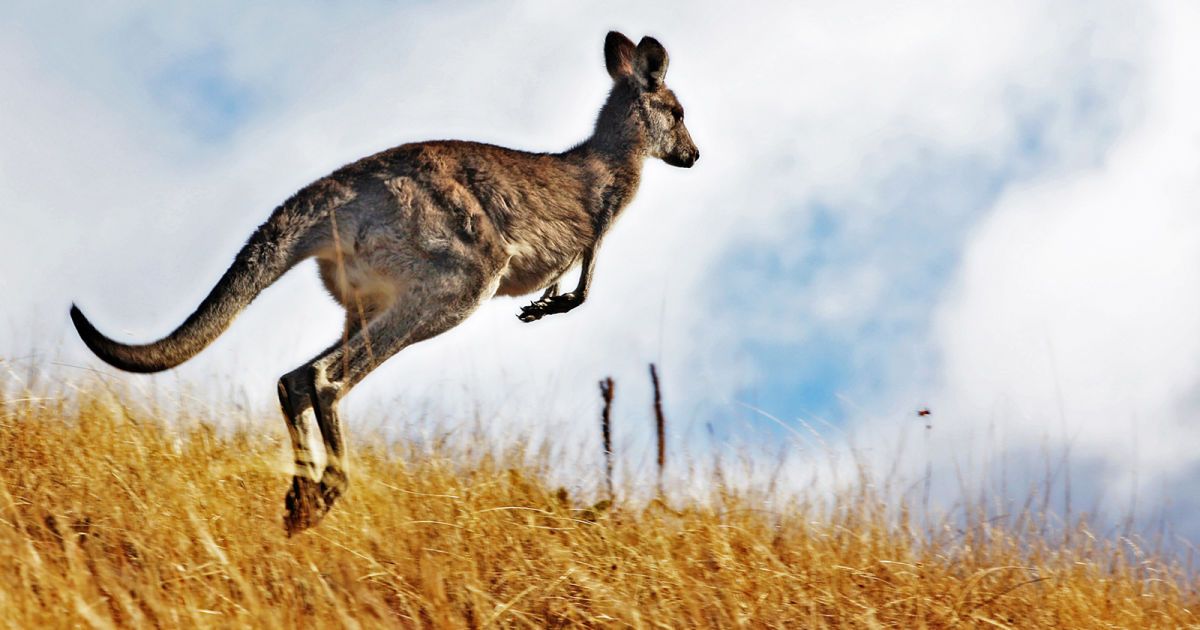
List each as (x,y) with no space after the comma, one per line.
(991,210)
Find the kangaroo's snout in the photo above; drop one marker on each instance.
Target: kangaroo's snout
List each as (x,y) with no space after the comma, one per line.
(683,161)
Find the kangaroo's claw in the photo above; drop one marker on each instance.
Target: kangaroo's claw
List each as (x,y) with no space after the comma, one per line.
(533,312)
(549,306)
(527,315)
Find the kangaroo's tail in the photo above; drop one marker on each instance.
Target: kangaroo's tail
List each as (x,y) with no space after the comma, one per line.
(271,251)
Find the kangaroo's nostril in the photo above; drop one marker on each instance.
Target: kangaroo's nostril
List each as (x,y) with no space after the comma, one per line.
(696,158)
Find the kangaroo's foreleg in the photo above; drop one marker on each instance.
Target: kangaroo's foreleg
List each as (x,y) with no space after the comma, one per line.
(537,309)
(552,303)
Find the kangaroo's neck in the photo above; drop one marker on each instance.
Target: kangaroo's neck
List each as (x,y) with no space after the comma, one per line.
(611,165)
(618,140)
(557,227)
(619,150)
(614,154)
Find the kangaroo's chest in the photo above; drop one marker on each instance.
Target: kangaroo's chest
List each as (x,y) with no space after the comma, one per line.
(545,235)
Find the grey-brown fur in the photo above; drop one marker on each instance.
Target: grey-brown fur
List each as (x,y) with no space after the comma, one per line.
(413,239)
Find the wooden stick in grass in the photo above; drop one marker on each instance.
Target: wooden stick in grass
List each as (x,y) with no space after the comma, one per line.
(660,427)
(606,392)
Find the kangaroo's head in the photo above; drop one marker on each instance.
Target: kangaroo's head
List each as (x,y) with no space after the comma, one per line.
(641,107)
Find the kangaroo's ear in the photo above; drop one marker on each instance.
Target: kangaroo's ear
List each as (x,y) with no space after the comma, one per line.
(618,55)
(650,63)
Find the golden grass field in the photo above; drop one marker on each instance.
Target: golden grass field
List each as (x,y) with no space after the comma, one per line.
(111,519)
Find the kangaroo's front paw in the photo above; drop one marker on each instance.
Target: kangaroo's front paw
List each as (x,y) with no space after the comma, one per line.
(549,306)
(532,313)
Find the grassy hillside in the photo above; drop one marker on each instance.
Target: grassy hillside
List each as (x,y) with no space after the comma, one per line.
(108,519)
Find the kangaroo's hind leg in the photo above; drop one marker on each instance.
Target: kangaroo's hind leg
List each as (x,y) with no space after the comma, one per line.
(296,397)
(317,484)
(333,479)
(424,311)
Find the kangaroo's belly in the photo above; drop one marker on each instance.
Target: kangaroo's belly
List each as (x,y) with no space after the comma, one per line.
(356,285)
(531,268)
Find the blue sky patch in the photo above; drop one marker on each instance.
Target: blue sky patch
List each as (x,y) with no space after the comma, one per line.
(202,95)
(920,216)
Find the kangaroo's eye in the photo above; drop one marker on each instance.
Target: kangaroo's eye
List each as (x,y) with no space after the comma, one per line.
(677,114)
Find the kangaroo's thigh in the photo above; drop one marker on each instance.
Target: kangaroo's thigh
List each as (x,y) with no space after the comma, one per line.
(428,307)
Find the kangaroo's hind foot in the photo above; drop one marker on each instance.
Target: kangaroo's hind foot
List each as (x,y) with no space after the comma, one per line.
(306,505)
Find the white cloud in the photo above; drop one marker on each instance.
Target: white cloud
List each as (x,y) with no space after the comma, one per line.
(1068,340)
(1085,288)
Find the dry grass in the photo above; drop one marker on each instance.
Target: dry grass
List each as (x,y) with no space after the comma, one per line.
(111,520)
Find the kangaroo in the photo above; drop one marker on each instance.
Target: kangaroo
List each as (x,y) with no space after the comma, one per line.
(411,240)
